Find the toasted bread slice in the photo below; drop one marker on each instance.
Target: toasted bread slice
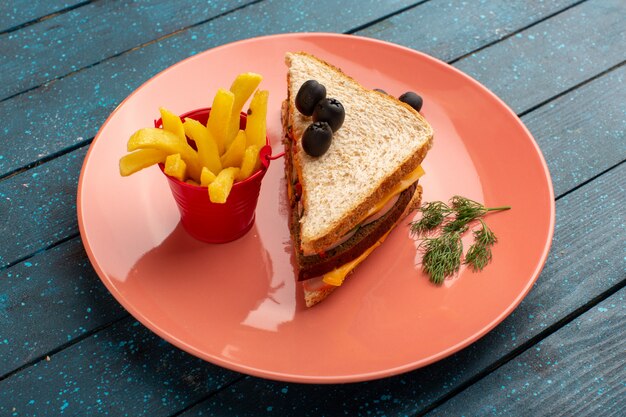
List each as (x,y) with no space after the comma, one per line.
(380,142)
(315,290)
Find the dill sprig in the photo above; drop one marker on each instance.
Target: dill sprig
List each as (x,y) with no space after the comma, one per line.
(442,255)
(433,214)
(479,254)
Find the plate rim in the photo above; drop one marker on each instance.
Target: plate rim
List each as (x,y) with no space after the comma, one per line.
(320,379)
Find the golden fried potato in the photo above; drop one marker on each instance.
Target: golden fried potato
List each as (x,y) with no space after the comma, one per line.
(168,142)
(221,186)
(172,123)
(207,148)
(234,154)
(206,177)
(243,87)
(219,119)
(140,159)
(257,115)
(250,164)
(175,166)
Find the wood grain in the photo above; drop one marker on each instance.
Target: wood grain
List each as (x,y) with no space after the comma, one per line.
(42,201)
(70,41)
(553,56)
(123,370)
(582,132)
(575,371)
(49,300)
(468,25)
(17,13)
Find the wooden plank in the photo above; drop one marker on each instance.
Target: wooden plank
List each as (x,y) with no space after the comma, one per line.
(578,370)
(581,142)
(124,370)
(70,41)
(42,201)
(17,13)
(49,300)
(553,56)
(76,106)
(591,208)
(468,25)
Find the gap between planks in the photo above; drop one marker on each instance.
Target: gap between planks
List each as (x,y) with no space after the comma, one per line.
(48,16)
(142,45)
(525,346)
(510,35)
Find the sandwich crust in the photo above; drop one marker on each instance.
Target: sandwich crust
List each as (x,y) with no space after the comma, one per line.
(382,138)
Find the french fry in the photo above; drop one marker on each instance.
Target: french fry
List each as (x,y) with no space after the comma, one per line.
(206,177)
(175,166)
(172,123)
(234,154)
(243,87)
(207,148)
(140,159)
(219,119)
(257,116)
(250,162)
(168,142)
(221,186)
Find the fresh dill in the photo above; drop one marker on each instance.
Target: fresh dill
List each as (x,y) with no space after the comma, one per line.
(442,254)
(479,254)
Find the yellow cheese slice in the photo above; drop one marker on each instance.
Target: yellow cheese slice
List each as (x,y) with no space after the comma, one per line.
(337,275)
(402,185)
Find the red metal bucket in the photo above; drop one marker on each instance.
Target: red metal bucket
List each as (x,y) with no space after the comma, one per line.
(212,222)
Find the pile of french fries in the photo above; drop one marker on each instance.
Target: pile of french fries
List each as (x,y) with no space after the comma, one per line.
(225,154)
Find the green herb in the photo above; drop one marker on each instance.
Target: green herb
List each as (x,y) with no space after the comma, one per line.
(479,254)
(433,214)
(442,255)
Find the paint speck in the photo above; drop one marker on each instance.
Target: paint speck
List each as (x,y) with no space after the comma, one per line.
(65,405)
(602,310)
(28,264)
(285,390)
(269,408)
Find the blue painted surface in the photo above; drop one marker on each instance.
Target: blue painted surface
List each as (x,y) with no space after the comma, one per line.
(67,348)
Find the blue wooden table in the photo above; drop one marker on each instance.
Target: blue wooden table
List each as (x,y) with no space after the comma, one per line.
(68,348)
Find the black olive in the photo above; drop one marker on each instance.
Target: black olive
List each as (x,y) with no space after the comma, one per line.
(331,111)
(412,100)
(309,94)
(316,138)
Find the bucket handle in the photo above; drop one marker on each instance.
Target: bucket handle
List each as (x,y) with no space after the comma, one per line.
(274,157)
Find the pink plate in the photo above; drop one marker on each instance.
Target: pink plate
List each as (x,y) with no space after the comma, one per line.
(238,305)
